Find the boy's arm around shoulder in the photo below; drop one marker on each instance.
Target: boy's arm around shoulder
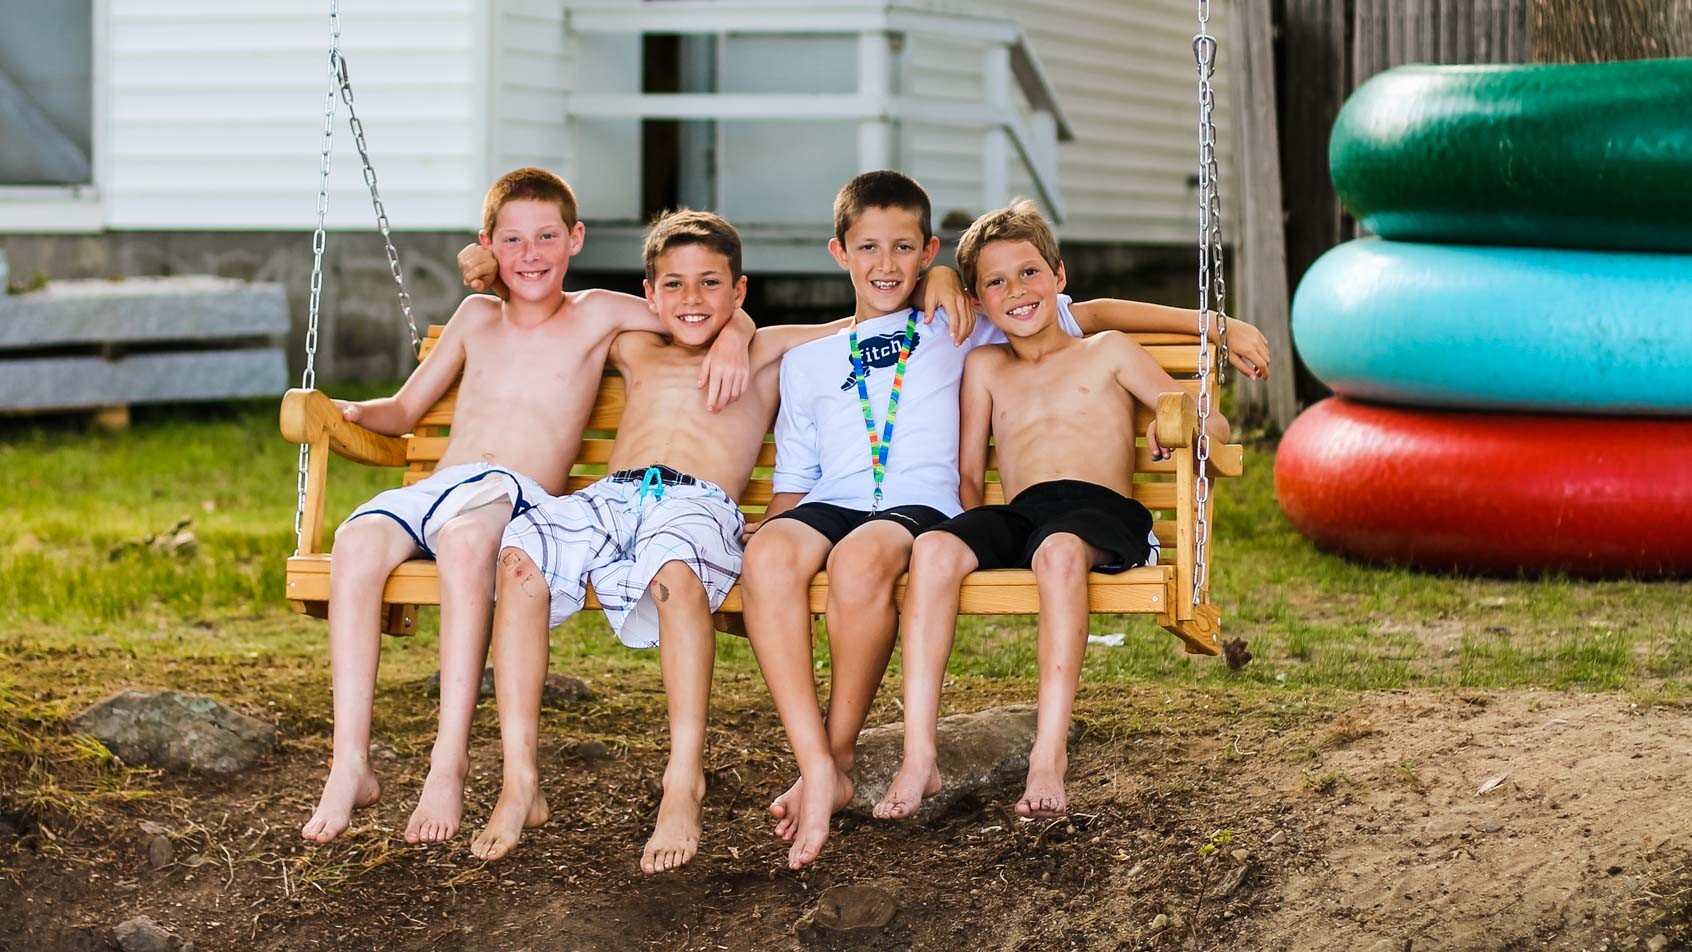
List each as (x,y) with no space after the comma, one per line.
(1138,372)
(770,344)
(396,415)
(723,373)
(1248,350)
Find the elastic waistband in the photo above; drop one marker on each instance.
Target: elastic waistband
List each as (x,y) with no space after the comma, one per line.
(1064,489)
(666,475)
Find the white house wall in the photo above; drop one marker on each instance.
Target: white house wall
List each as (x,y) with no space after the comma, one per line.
(1124,74)
(215,113)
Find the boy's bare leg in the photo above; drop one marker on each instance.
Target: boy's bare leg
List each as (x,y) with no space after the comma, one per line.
(862,623)
(1060,572)
(366,551)
(939,562)
(687,649)
(464,553)
(520,661)
(780,561)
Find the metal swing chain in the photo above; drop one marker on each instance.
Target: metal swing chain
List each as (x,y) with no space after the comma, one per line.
(1212,288)
(376,203)
(308,379)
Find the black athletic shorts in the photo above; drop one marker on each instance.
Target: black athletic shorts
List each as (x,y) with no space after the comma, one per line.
(1005,537)
(835,522)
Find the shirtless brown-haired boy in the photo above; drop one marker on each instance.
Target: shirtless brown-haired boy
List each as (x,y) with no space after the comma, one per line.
(1046,397)
(659,537)
(530,369)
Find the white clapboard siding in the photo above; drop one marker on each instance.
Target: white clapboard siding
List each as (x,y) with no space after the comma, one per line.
(531,87)
(1124,74)
(214,112)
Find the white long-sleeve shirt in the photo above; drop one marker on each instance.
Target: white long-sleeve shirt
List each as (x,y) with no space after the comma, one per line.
(822,446)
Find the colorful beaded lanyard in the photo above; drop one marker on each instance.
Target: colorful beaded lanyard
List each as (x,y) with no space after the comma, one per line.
(880,446)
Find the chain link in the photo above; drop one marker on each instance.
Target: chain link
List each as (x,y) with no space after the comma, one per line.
(376,203)
(1212,289)
(308,379)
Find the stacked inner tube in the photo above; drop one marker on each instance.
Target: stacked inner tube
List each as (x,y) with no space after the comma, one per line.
(1512,356)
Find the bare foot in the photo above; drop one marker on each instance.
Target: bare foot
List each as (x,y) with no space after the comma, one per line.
(820,799)
(439,808)
(350,786)
(675,837)
(521,807)
(782,809)
(915,782)
(1045,796)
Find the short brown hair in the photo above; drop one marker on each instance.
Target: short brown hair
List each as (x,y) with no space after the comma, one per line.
(531,184)
(684,226)
(1018,221)
(883,189)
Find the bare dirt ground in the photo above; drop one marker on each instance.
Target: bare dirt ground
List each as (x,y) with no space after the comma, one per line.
(1358,829)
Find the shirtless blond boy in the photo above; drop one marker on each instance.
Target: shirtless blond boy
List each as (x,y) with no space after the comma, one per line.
(1046,397)
(658,537)
(530,369)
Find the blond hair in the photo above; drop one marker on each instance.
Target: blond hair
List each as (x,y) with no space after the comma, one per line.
(1018,221)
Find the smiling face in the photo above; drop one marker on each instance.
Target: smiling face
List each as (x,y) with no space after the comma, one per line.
(1016,288)
(694,293)
(534,247)
(884,252)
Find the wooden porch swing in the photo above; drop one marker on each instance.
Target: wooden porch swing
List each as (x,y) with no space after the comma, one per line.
(1176,490)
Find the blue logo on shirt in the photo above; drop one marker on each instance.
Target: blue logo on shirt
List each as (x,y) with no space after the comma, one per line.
(881,351)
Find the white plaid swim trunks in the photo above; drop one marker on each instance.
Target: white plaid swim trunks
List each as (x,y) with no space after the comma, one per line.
(618,532)
(425,506)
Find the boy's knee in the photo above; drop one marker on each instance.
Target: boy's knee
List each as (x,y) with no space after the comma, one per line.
(467,540)
(515,565)
(676,587)
(941,554)
(366,546)
(867,562)
(1062,555)
(768,561)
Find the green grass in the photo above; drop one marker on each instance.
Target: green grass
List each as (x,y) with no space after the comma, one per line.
(1315,622)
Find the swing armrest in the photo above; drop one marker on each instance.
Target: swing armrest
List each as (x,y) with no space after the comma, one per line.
(309,416)
(1177,428)
(1177,420)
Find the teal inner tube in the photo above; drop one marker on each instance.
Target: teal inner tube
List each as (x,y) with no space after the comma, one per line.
(1581,156)
(1500,328)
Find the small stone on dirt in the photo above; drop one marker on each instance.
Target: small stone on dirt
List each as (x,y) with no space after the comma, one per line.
(1491,826)
(1657,943)
(160,852)
(590,751)
(1159,923)
(563,689)
(1230,882)
(176,731)
(142,934)
(854,908)
(1277,838)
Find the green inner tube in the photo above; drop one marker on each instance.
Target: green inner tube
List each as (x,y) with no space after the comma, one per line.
(1583,156)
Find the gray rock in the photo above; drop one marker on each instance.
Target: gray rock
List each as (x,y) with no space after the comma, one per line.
(160,852)
(588,751)
(176,731)
(563,689)
(978,752)
(855,908)
(142,934)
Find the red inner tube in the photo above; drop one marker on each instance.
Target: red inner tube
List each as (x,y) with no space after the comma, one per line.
(1491,492)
